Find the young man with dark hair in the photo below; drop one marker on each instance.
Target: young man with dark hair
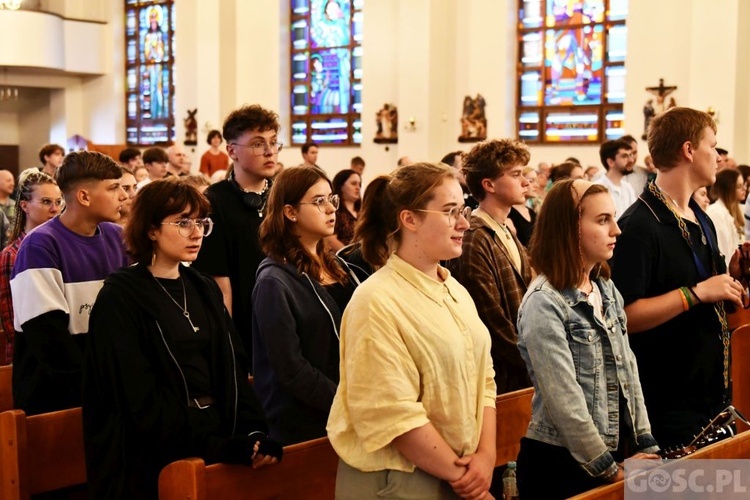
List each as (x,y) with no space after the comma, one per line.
(617,160)
(675,284)
(51,157)
(494,266)
(358,165)
(231,253)
(155,160)
(131,158)
(58,272)
(309,155)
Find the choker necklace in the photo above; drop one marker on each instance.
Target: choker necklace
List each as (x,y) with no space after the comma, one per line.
(261,192)
(182,308)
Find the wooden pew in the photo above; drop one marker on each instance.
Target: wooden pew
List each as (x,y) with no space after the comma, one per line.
(741,372)
(736,447)
(513,417)
(6,387)
(40,453)
(308,471)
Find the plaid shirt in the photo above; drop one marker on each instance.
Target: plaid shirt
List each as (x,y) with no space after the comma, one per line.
(497,287)
(7,259)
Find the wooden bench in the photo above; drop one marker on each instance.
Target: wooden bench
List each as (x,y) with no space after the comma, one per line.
(741,372)
(6,387)
(513,417)
(736,447)
(40,453)
(309,469)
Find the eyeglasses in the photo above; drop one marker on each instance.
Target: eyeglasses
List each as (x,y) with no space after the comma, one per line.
(48,202)
(452,214)
(321,201)
(259,148)
(186,226)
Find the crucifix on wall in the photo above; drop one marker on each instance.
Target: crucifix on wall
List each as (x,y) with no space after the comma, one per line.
(661,92)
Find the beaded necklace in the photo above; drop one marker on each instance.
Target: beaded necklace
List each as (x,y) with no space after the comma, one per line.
(724,336)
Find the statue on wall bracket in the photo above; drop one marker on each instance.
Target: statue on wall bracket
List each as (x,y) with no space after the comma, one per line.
(651,108)
(191,128)
(387,121)
(473,120)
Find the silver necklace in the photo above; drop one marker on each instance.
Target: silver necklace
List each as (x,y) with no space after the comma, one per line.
(182,308)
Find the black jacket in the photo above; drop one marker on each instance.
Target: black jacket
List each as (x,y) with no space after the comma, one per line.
(295,351)
(135,410)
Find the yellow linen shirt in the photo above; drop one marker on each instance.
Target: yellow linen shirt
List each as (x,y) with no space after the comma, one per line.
(413,351)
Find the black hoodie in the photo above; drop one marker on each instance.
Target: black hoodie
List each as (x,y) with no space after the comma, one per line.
(295,351)
(135,410)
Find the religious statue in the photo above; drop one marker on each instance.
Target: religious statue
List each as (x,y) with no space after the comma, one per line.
(387,122)
(191,128)
(649,110)
(473,120)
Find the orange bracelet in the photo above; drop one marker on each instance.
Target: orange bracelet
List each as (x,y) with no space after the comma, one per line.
(685,305)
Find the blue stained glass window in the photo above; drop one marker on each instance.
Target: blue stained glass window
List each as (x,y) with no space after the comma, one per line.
(149,33)
(571,55)
(326,71)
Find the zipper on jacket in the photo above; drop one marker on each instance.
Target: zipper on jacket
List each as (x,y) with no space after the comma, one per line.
(234,378)
(333,323)
(184,380)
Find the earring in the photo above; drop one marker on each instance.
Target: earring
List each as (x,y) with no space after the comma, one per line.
(153,258)
(294,219)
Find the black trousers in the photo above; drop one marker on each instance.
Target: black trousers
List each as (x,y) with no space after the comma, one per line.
(547,472)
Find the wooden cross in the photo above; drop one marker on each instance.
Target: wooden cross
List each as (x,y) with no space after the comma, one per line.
(661,91)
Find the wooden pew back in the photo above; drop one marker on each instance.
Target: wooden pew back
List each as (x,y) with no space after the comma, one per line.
(6,387)
(308,471)
(741,372)
(40,453)
(513,417)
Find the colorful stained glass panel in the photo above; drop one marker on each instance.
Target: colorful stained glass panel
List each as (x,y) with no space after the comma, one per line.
(329,25)
(330,81)
(574,66)
(574,12)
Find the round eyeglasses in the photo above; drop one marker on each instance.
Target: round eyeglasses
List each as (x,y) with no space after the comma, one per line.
(185,227)
(452,214)
(259,148)
(321,201)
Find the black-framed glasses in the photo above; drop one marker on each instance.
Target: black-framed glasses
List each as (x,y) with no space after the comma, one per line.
(185,227)
(452,214)
(259,148)
(321,201)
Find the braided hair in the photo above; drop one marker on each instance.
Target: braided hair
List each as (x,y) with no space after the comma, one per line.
(27,181)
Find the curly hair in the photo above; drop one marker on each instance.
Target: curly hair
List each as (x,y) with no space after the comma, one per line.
(247,118)
(491,159)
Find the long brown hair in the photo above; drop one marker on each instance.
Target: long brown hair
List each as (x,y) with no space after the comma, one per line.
(276,231)
(407,188)
(725,189)
(555,247)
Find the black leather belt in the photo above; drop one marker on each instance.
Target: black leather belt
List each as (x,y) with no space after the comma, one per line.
(202,402)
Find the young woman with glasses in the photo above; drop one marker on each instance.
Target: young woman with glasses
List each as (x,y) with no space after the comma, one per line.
(39,200)
(414,414)
(299,295)
(163,377)
(588,413)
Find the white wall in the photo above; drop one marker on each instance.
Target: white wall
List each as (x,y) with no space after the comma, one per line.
(422,55)
(34,130)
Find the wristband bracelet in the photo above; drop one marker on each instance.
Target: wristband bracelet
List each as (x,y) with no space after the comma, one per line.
(692,289)
(688,297)
(685,305)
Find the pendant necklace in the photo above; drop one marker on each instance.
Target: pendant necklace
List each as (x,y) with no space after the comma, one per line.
(182,308)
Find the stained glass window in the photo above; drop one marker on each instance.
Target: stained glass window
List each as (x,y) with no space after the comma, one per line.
(326,71)
(149,62)
(571,76)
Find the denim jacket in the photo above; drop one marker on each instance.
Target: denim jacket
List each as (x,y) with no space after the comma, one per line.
(577,364)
